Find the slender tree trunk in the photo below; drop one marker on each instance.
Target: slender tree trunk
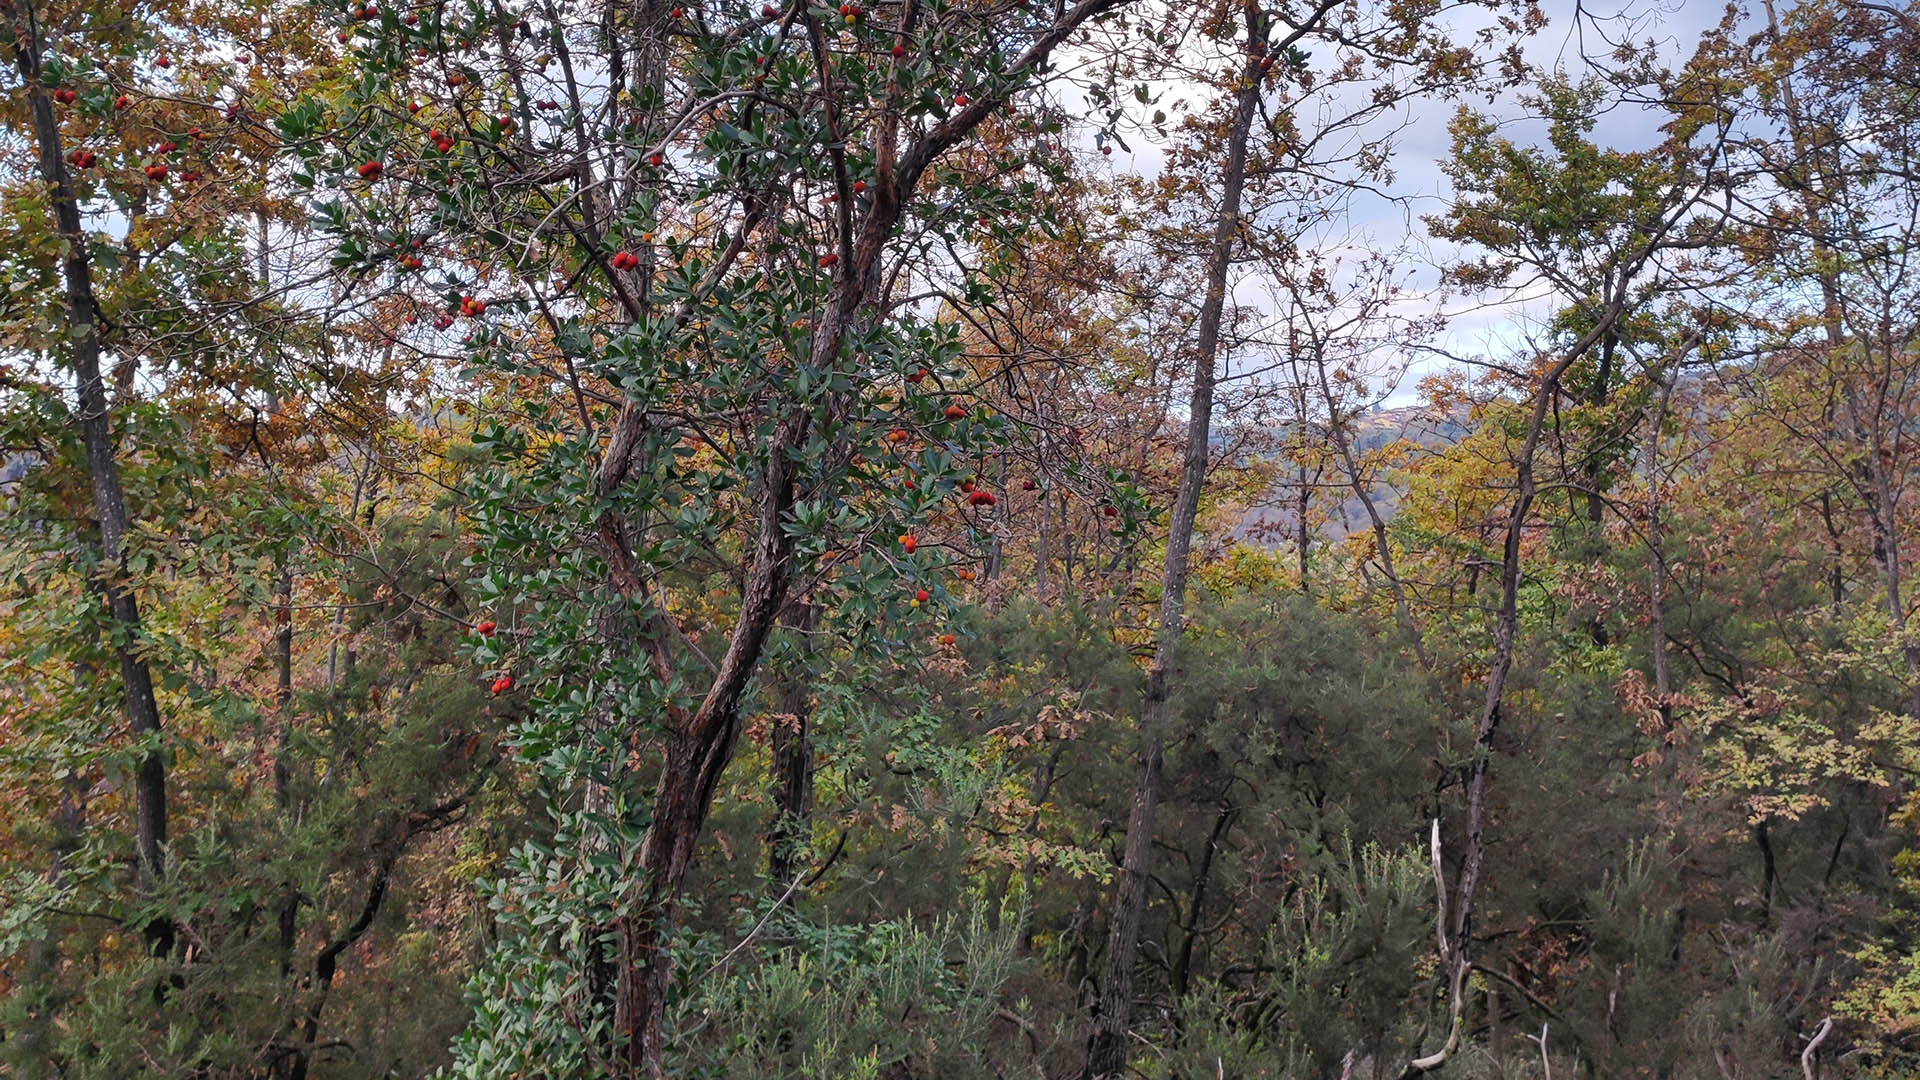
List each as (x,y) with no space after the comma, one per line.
(1402,608)
(1303,534)
(1197,900)
(1657,561)
(792,753)
(109,499)
(1505,634)
(1112,1023)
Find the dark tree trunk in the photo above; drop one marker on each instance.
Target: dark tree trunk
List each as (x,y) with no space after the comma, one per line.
(792,754)
(109,499)
(1113,1015)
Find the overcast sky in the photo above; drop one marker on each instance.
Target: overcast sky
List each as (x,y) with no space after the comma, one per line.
(1477,326)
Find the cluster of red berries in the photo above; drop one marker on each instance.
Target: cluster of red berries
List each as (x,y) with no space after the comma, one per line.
(411,262)
(503,684)
(546,103)
(66,97)
(156,171)
(82,159)
(908,542)
(829,259)
(852,12)
(917,375)
(440,140)
(981,498)
(472,307)
(366,12)
(371,170)
(123,102)
(955,412)
(625,260)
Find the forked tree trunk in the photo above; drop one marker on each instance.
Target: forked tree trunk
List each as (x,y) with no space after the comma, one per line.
(700,745)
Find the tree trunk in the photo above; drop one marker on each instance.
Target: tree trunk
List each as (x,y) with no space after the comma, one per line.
(109,499)
(792,754)
(1505,634)
(1112,1022)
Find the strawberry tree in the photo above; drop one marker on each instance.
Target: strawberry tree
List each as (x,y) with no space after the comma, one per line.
(706,262)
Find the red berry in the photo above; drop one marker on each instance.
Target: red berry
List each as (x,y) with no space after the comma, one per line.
(1028,486)
(162,61)
(946,639)
(955,412)
(191,176)
(899,51)
(485,629)
(908,542)
(1110,511)
(859,186)
(917,375)
(829,259)
(503,684)
(657,160)
(769,10)
(923,596)
(959,99)
(123,102)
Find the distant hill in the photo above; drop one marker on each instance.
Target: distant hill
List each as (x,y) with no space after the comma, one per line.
(1272,522)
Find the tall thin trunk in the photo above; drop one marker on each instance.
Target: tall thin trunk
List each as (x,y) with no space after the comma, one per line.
(792,752)
(1303,533)
(1113,1017)
(1505,635)
(1343,445)
(1197,900)
(84,331)
(1657,561)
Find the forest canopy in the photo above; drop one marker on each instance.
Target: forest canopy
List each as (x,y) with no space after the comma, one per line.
(946,539)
